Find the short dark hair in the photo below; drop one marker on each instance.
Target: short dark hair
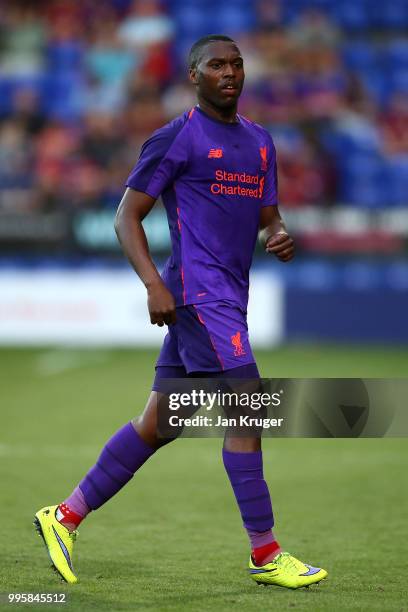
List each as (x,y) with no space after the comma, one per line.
(196,50)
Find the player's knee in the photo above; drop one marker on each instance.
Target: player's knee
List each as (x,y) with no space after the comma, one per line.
(146,430)
(242,444)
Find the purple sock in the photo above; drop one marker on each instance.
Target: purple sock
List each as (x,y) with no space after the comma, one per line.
(259,539)
(76,502)
(251,491)
(121,457)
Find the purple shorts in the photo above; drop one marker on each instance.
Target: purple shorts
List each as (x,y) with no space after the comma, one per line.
(209,337)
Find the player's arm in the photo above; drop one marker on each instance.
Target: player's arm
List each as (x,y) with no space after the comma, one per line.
(134,207)
(273,234)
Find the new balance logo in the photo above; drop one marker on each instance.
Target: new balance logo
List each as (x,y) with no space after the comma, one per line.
(215,154)
(237,344)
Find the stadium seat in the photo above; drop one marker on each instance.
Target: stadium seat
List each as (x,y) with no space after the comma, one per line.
(360,55)
(352,15)
(362,181)
(397,180)
(65,56)
(193,21)
(61,96)
(391,15)
(237,20)
(6,89)
(396,54)
(377,83)
(399,81)
(10,85)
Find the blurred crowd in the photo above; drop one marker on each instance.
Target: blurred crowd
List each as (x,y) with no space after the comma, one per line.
(84,83)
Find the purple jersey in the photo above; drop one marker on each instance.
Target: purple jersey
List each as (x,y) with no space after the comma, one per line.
(213,177)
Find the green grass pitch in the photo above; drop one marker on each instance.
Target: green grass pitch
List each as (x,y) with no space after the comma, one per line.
(172,539)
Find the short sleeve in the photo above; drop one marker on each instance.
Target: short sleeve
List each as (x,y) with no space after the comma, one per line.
(162,159)
(270,191)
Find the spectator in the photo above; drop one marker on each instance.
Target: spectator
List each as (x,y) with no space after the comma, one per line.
(394,126)
(80,90)
(101,141)
(15,155)
(107,59)
(145,25)
(27,110)
(313,29)
(24,38)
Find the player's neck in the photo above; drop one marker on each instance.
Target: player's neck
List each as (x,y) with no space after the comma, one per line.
(228,115)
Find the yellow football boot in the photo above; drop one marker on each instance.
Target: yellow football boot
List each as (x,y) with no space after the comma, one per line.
(58,541)
(286,571)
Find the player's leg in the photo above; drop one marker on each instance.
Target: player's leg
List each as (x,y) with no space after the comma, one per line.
(222,345)
(243,462)
(268,563)
(227,328)
(122,456)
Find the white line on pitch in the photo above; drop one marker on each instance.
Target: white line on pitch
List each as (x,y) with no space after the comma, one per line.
(60,360)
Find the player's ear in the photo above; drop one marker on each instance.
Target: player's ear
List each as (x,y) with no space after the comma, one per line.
(192,73)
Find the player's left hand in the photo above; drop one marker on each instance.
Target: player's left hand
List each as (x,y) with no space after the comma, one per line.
(281,245)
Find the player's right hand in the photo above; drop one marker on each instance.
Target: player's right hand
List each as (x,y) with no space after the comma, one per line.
(161,305)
